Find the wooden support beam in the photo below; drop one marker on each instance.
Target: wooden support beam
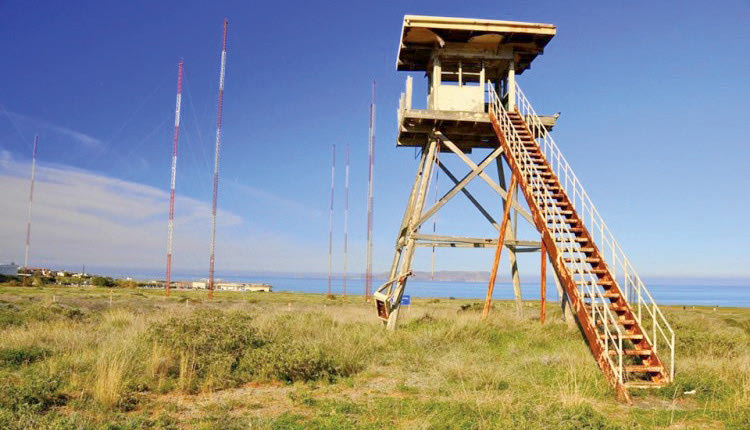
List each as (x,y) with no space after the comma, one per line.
(475,245)
(476,170)
(498,250)
(564,301)
(470,197)
(514,275)
(411,229)
(544,283)
(400,238)
(512,86)
(474,240)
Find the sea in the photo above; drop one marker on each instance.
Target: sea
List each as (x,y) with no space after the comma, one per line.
(705,294)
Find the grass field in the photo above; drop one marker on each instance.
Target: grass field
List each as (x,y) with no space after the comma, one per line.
(88,358)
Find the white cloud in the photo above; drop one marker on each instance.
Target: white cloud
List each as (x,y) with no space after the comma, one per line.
(81,217)
(78,136)
(274,199)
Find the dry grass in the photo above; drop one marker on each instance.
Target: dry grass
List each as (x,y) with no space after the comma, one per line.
(442,369)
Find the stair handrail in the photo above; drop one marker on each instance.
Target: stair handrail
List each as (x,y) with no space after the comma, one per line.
(552,214)
(609,248)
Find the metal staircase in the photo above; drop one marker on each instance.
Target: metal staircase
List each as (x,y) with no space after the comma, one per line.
(627,332)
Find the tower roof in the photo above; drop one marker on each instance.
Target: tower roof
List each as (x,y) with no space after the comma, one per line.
(421,35)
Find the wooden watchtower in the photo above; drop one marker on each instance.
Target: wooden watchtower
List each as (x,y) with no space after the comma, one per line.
(475,104)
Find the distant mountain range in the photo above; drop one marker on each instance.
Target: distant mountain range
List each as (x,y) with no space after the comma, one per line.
(441,276)
(449,275)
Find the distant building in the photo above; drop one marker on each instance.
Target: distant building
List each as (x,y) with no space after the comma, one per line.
(236,286)
(232,286)
(9,269)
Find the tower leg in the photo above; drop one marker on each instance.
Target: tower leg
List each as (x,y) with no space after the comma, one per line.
(499,249)
(400,238)
(511,250)
(406,245)
(564,301)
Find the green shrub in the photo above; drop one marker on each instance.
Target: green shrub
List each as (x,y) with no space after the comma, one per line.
(10,314)
(103,281)
(24,355)
(205,347)
(54,311)
(36,393)
(295,361)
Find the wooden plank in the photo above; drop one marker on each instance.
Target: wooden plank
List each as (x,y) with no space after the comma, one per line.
(478,25)
(474,240)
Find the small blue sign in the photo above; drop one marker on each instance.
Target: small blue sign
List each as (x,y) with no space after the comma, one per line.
(406,300)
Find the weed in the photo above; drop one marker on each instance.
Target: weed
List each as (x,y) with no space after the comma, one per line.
(206,345)
(14,357)
(35,392)
(295,361)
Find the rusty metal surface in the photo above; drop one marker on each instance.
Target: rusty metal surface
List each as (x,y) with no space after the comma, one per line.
(624,311)
(499,247)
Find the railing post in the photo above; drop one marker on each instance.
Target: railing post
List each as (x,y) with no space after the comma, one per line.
(671,361)
(640,301)
(408,92)
(619,354)
(544,282)
(654,322)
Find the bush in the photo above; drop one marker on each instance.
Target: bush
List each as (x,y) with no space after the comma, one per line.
(103,281)
(291,362)
(10,314)
(127,283)
(205,348)
(54,311)
(26,355)
(37,393)
(7,278)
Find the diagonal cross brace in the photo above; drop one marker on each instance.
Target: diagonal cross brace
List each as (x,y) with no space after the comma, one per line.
(475,202)
(480,171)
(476,170)
(469,196)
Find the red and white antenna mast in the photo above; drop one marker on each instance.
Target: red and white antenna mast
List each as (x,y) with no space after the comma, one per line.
(346,220)
(31,203)
(330,219)
(216,163)
(368,275)
(170,225)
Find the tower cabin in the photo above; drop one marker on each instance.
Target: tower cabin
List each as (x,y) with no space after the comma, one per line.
(459,56)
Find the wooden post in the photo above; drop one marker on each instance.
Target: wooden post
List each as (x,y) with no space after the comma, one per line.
(544,282)
(498,250)
(511,86)
(564,301)
(402,232)
(511,251)
(412,228)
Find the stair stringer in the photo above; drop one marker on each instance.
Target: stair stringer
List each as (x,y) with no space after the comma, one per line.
(566,278)
(643,344)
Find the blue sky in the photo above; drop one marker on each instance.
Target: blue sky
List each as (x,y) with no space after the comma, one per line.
(654,120)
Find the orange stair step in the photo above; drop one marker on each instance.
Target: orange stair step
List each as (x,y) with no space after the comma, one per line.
(631,336)
(642,368)
(632,352)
